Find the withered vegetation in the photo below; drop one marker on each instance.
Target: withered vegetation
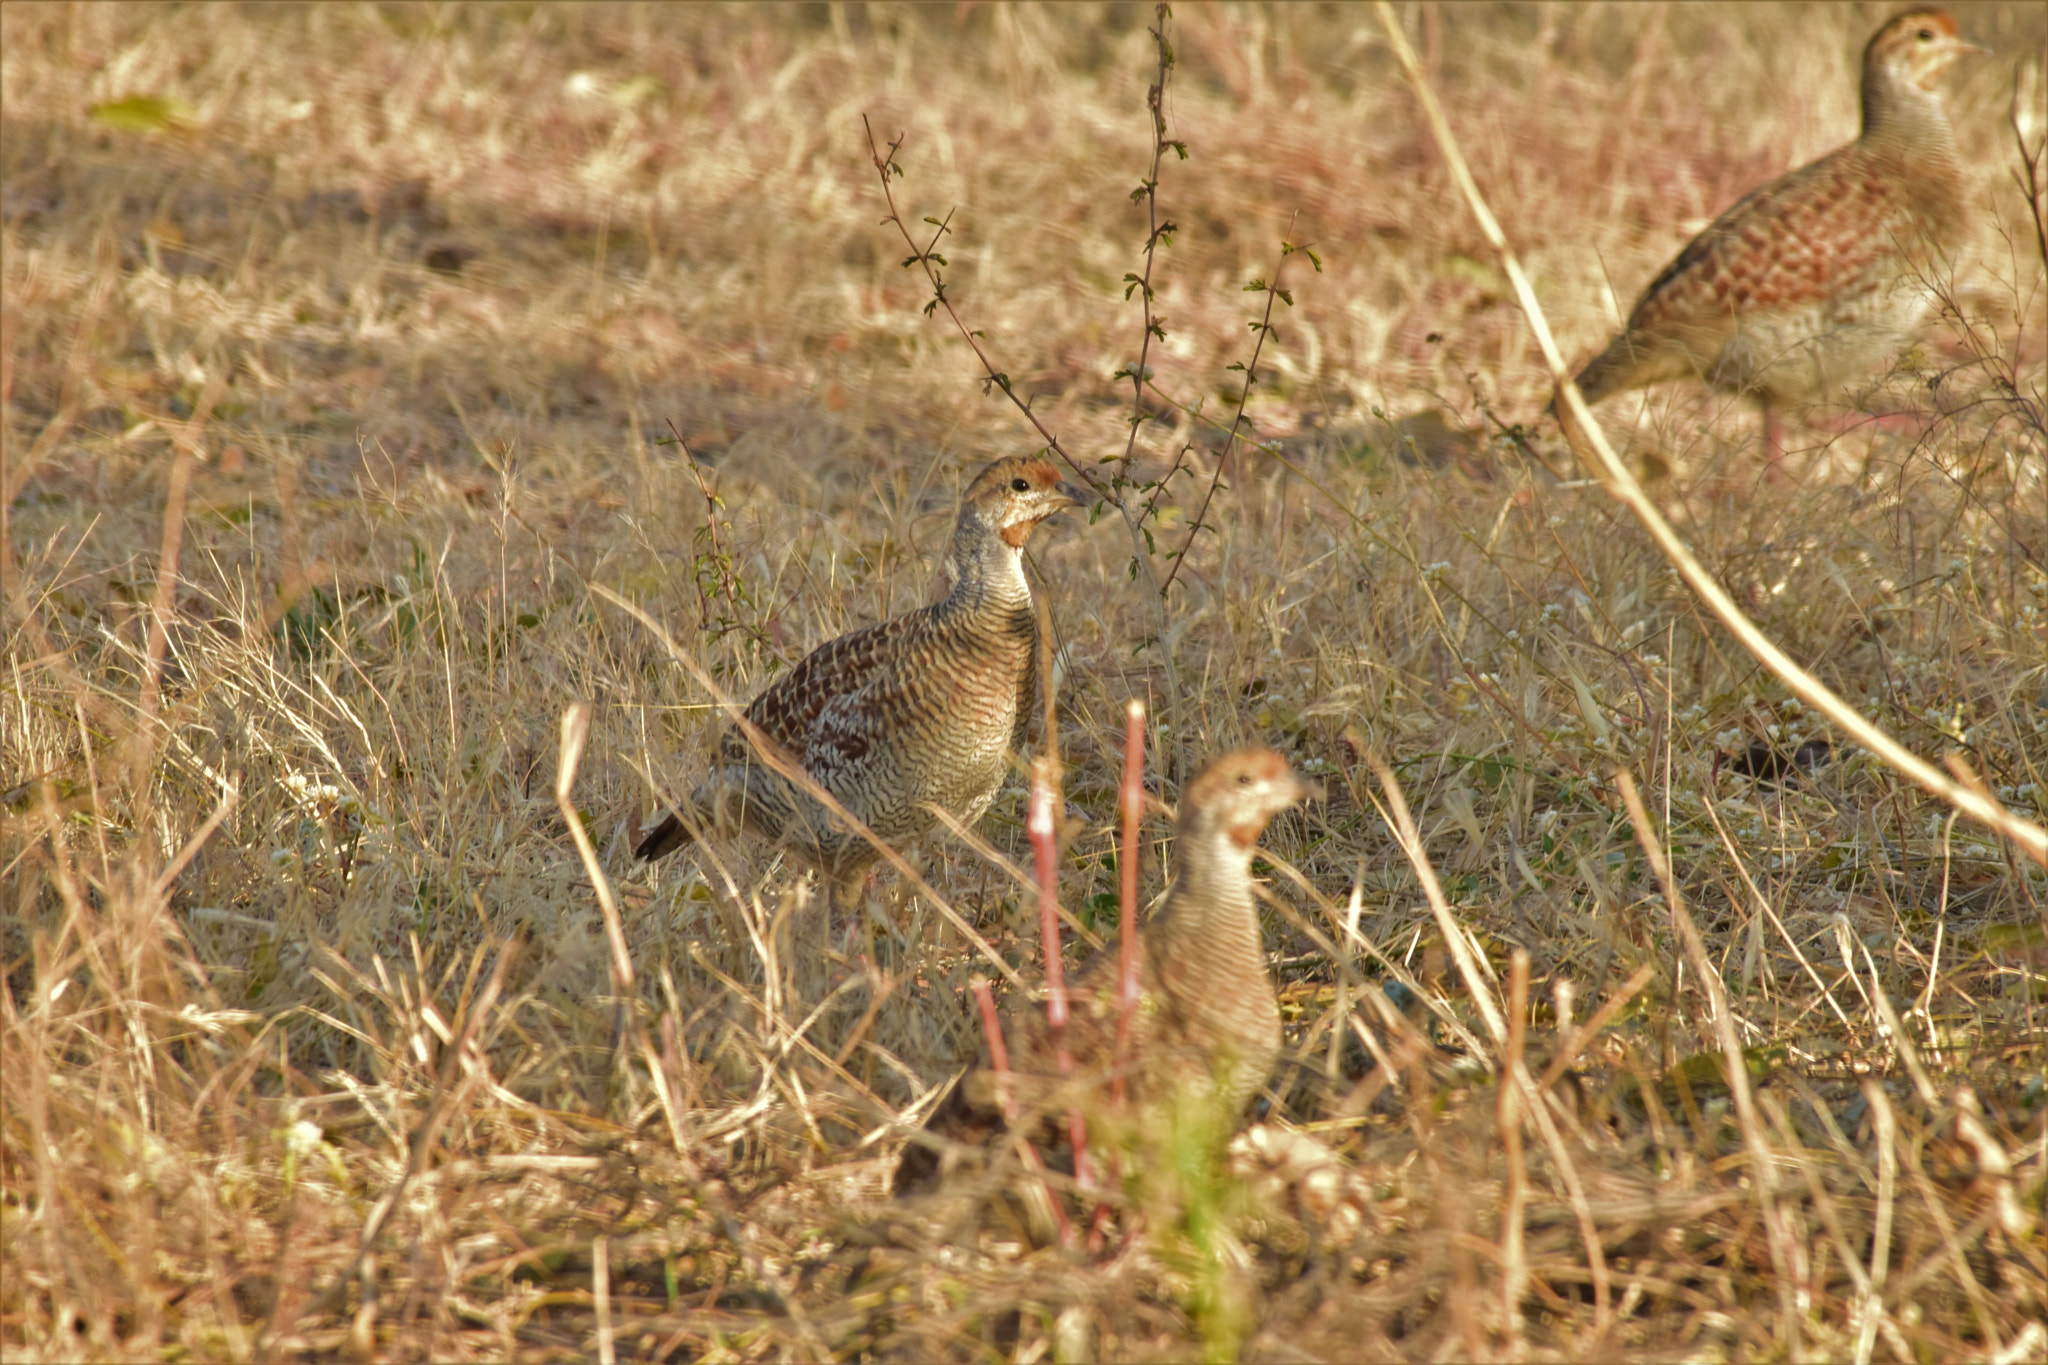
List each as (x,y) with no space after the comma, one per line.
(350,351)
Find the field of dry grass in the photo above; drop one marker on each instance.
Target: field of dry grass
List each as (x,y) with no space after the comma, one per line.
(346,352)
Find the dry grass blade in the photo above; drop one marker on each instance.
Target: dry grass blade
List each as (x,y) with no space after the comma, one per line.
(1761,1157)
(1447,923)
(601,1294)
(575,734)
(1585,1033)
(451,1089)
(1514,1262)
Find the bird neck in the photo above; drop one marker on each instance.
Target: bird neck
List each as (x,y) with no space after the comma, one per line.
(1211,902)
(1898,114)
(987,572)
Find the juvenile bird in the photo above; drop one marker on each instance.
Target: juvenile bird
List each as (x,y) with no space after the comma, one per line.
(1810,282)
(1206,1028)
(921,709)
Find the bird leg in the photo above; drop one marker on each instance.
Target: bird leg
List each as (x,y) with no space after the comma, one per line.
(846,904)
(1774,437)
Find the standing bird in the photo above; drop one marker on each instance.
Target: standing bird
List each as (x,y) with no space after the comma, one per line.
(1811,281)
(1206,1027)
(923,709)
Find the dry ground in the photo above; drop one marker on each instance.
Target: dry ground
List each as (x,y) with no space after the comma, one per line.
(345,349)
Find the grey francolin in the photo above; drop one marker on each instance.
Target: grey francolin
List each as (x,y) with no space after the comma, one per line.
(1812,281)
(1206,1028)
(917,711)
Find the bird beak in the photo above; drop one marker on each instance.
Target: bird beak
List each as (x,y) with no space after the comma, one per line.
(1075,495)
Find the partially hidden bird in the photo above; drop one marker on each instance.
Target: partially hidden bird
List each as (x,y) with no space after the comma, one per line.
(917,711)
(1204,1029)
(1811,282)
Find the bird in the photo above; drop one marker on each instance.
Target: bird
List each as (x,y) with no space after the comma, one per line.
(920,710)
(1205,1029)
(1811,281)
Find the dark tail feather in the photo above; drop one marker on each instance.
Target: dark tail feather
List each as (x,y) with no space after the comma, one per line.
(664,839)
(954,1122)
(1609,371)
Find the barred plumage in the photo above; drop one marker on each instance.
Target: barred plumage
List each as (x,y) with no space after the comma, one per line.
(1811,281)
(1207,1026)
(920,709)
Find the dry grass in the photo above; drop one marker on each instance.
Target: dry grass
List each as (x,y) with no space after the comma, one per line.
(342,347)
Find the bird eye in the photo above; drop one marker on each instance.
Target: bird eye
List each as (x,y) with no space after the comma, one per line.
(1022,485)
(1244,779)
(1926,35)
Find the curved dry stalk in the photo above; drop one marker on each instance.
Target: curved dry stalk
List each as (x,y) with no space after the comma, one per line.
(1584,435)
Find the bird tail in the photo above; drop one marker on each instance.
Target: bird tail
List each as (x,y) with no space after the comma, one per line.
(1608,372)
(666,836)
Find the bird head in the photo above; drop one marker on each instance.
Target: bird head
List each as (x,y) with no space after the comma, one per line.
(1016,493)
(1239,793)
(1914,49)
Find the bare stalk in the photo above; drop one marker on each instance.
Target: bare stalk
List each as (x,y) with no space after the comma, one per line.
(1045,849)
(1131,798)
(1006,1096)
(1514,1263)
(1157,234)
(2027,134)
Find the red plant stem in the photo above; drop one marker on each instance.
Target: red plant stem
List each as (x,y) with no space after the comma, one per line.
(1044,846)
(1044,843)
(1131,797)
(998,1053)
(999,1062)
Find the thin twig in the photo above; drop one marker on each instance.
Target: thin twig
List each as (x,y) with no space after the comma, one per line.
(1264,328)
(928,261)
